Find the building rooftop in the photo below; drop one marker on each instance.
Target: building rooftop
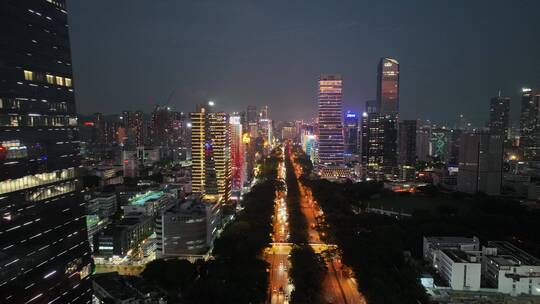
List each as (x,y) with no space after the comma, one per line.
(457,256)
(141,199)
(510,255)
(452,239)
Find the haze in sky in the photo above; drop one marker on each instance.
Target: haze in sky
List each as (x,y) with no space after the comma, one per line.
(454,55)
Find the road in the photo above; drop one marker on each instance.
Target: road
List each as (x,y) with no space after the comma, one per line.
(278,253)
(339,285)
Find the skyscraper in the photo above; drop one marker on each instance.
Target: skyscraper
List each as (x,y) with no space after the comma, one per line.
(237,153)
(387,115)
(407,142)
(530,124)
(388,86)
(44,250)
(499,116)
(161,125)
(330,132)
(480,163)
(210,153)
(351,133)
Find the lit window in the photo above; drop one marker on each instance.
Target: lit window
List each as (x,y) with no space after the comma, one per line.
(68,82)
(59,80)
(28,75)
(50,79)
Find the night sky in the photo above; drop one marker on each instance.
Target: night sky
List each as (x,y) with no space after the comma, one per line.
(454,54)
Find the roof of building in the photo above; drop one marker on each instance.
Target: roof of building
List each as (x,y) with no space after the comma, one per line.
(452,239)
(457,256)
(126,287)
(148,196)
(510,255)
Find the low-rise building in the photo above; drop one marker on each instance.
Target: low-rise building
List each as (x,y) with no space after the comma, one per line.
(114,288)
(433,244)
(188,228)
(104,203)
(461,270)
(149,203)
(124,235)
(510,269)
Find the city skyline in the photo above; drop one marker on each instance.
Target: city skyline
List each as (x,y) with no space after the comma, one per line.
(235,181)
(436,59)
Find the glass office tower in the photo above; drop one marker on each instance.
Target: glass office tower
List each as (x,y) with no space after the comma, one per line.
(331,144)
(44,250)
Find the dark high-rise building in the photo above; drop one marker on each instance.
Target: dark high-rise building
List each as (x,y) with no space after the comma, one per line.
(480,163)
(407,142)
(350,123)
(499,116)
(530,124)
(252,116)
(371,106)
(44,250)
(330,133)
(388,109)
(379,152)
(388,86)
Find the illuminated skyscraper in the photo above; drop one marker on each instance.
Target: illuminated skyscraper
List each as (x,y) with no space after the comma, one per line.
(379,139)
(44,250)
(210,153)
(388,86)
(134,124)
(237,153)
(530,124)
(379,149)
(330,132)
(499,116)
(351,133)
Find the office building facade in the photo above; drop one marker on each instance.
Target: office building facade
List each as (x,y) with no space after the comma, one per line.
(44,252)
(350,130)
(480,163)
(330,132)
(499,116)
(210,152)
(530,124)
(388,86)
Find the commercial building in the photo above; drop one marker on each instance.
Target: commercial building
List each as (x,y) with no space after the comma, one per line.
(210,152)
(388,86)
(330,131)
(480,163)
(105,204)
(379,144)
(45,255)
(432,244)
(530,124)
(510,269)
(461,270)
(407,142)
(188,228)
(149,203)
(351,133)
(499,116)
(124,235)
(237,155)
